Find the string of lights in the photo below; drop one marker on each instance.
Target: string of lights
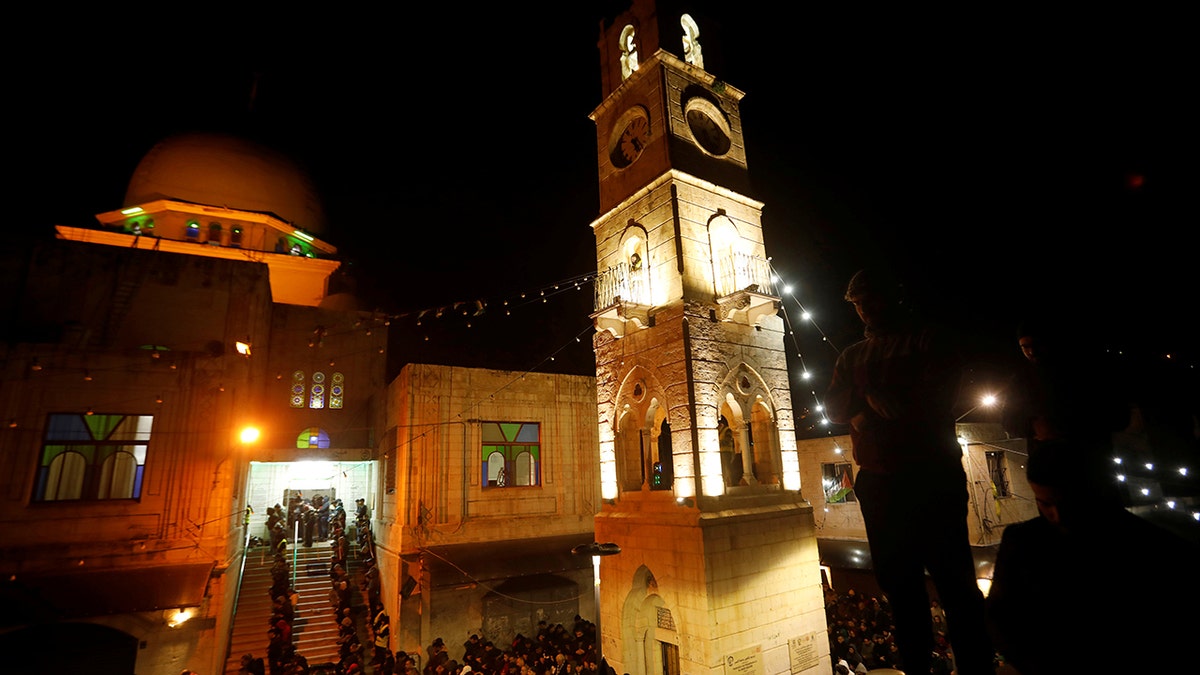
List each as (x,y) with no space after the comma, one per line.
(807,316)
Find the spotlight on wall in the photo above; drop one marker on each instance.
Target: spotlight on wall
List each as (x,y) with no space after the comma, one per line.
(177,617)
(686,501)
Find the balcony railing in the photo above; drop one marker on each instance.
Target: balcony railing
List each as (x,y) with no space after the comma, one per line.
(621,283)
(735,272)
(739,271)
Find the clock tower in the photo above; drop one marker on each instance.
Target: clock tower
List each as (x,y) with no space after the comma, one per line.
(718,567)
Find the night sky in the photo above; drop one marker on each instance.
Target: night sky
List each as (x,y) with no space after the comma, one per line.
(997,158)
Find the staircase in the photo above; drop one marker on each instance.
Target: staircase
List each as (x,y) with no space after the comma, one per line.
(253,610)
(314,631)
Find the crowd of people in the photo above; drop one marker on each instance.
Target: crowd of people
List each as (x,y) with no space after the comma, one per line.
(862,634)
(553,649)
(324,520)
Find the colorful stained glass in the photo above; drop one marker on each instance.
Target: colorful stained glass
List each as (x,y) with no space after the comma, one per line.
(96,456)
(510,454)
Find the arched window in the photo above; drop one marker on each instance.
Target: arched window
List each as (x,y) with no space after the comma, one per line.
(118,473)
(298,388)
(732,467)
(632,458)
(634,248)
(313,437)
(764,443)
(316,392)
(663,471)
(336,391)
(65,477)
(729,257)
(214,234)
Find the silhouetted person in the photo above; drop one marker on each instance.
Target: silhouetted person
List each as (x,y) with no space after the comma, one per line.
(897,389)
(1087,571)
(1061,392)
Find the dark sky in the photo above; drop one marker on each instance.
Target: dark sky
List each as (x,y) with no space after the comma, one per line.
(996,157)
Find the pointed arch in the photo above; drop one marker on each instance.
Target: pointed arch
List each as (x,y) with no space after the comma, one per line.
(638,432)
(753,415)
(729,251)
(635,255)
(644,630)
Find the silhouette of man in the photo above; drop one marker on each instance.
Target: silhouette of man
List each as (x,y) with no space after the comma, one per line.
(897,389)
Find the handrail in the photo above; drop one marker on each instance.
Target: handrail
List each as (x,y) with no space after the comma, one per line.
(237,595)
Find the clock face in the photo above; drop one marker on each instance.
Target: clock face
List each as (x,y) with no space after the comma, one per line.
(633,139)
(631,136)
(707,123)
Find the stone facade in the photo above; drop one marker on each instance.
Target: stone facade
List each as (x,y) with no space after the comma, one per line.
(463,534)
(718,560)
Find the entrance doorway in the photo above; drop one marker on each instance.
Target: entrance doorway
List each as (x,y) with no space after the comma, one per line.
(271,483)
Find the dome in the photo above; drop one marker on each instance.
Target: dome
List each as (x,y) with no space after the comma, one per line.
(227,171)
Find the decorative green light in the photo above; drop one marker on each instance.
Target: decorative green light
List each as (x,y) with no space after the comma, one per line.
(302,235)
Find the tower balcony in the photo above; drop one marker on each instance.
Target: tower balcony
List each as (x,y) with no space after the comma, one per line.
(745,288)
(622,296)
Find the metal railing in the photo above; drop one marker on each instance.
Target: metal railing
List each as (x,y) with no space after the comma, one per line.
(738,271)
(621,283)
(734,272)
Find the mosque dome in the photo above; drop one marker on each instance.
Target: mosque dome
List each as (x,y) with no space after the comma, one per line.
(223,170)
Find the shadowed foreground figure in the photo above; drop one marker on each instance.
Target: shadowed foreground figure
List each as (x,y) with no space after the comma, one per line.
(1088,572)
(897,389)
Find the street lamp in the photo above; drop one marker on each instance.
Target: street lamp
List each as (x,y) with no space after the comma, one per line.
(987,401)
(598,551)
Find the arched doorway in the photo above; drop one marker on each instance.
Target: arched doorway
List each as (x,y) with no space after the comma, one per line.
(68,648)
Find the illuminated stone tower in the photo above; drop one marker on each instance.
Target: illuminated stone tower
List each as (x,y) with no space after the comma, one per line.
(718,569)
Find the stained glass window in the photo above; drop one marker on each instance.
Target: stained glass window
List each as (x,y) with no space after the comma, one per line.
(298,389)
(316,393)
(511,454)
(336,388)
(313,437)
(320,392)
(93,457)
